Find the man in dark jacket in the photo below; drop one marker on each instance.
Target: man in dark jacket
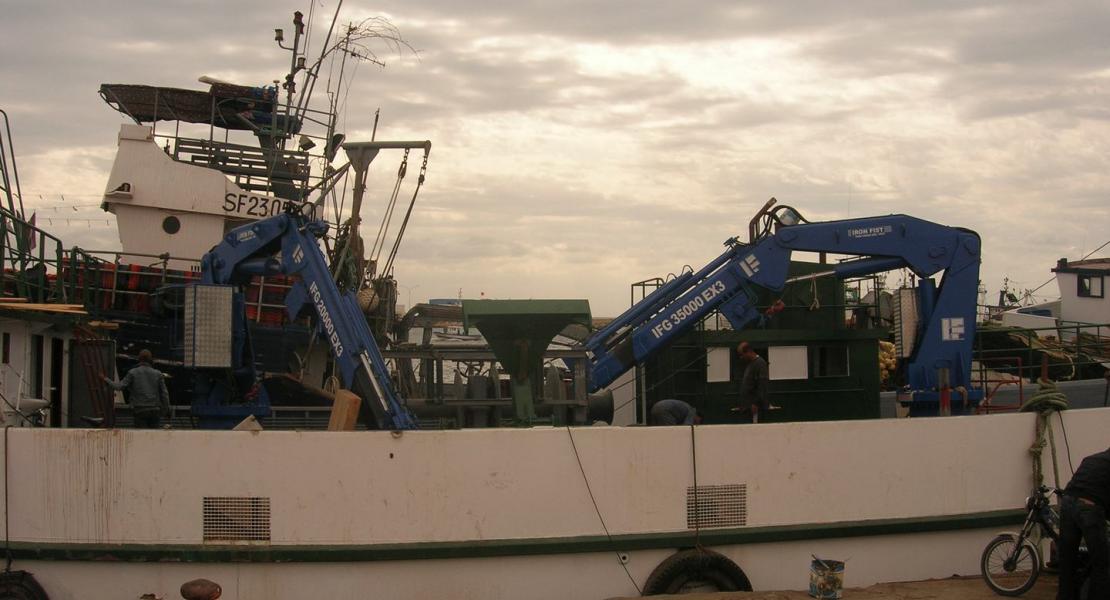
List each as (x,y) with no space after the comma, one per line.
(1083,516)
(150,400)
(753,387)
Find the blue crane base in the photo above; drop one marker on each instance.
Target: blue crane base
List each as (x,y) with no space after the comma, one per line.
(927,404)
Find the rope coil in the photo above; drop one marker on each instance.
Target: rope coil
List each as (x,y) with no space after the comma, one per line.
(1047,401)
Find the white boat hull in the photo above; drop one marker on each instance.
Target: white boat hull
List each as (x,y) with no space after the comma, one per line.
(507,513)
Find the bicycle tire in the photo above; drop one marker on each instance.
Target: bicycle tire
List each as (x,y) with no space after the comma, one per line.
(1016,581)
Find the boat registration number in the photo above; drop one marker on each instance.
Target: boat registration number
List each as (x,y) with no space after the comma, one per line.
(252,206)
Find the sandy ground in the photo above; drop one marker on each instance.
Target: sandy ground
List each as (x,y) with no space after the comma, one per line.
(958,588)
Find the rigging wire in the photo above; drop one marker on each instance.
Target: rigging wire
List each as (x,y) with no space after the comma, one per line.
(697,506)
(347,91)
(1089,254)
(408,213)
(387,217)
(309,82)
(308,29)
(609,536)
(1067,445)
(652,388)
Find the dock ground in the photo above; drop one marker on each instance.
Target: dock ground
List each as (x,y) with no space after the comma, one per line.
(955,588)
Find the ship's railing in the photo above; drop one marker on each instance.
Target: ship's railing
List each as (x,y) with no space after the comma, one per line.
(114,280)
(131,281)
(30,259)
(281,172)
(36,267)
(1071,350)
(281,418)
(9,173)
(252,168)
(991,382)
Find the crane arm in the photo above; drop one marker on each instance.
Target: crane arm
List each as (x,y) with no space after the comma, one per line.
(947,312)
(287,244)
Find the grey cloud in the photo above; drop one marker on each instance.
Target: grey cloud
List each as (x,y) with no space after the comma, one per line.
(1016,76)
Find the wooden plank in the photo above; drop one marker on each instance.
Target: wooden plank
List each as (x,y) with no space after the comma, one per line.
(103,325)
(344,411)
(72,309)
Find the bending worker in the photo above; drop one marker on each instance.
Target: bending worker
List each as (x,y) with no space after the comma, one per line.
(150,400)
(1083,516)
(673,412)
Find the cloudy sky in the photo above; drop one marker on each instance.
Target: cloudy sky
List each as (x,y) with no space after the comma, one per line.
(581,146)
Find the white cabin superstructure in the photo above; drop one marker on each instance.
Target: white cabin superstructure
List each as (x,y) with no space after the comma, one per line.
(167,206)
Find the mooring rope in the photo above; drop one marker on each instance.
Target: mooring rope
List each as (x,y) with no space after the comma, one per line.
(697,505)
(608,536)
(1047,401)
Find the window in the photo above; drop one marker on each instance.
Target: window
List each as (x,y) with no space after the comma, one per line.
(171,225)
(829,361)
(1090,286)
(718,365)
(787,362)
(6,351)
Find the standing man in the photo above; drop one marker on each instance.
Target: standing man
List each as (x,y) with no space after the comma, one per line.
(1083,516)
(673,412)
(150,400)
(753,387)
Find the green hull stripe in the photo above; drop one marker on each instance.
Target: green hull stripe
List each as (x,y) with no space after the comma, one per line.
(257,553)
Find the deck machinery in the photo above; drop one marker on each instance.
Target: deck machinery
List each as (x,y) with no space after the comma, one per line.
(936,324)
(937,333)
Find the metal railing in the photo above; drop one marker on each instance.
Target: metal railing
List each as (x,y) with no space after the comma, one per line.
(31,260)
(36,267)
(991,381)
(1074,350)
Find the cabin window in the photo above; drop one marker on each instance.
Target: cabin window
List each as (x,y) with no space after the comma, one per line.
(718,365)
(787,362)
(6,350)
(171,224)
(829,361)
(1090,286)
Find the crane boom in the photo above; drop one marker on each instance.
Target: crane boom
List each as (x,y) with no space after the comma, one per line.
(941,356)
(287,244)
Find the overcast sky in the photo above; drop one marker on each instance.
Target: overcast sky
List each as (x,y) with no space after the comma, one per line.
(581,146)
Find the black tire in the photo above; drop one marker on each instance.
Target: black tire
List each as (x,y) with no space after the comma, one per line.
(20,585)
(1014,581)
(696,570)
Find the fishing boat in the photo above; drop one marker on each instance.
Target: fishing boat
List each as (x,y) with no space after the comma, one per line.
(566,508)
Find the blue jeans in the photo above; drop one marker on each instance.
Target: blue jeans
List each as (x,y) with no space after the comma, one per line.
(1080,520)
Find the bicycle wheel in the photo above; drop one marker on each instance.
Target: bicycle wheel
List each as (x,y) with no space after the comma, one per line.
(1014,579)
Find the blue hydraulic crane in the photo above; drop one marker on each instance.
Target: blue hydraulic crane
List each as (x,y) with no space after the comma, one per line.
(287,244)
(941,357)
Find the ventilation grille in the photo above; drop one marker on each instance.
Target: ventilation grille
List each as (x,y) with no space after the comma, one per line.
(208,325)
(717,506)
(236,519)
(904,307)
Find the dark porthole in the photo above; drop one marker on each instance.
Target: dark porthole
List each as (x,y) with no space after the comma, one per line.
(171,225)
